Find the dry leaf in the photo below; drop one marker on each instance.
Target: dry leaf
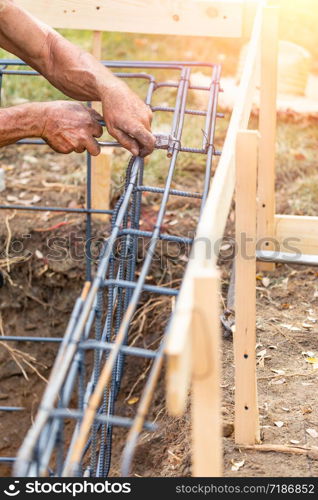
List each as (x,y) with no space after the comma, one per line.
(30,159)
(308,353)
(133,400)
(291,327)
(225,247)
(299,156)
(266,282)
(174,456)
(285,305)
(12,198)
(278,372)
(39,254)
(306,410)
(312,433)
(237,465)
(307,326)
(312,319)
(279,423)
(313,361)
(261,354)
(184,258)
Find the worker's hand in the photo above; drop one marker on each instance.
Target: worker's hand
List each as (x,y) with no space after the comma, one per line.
(127,117)
(70,126)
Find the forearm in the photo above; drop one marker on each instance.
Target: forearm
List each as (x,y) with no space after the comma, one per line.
(79,75)
(73,71)
(19,122)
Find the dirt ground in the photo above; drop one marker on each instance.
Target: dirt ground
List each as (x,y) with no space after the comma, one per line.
(38,296)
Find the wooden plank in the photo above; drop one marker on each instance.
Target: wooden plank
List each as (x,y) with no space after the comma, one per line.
(97,44)
(211,227)
(178,354)
(296,233)
(101,181)
(220,18)
(246,405)
(178,369)
(205,396)
(249,12)
(101,165)
(218,204)
(267,127)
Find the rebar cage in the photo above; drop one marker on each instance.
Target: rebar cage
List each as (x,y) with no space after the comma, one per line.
(86,376)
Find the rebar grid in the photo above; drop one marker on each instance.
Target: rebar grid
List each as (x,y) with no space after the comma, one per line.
(102,314)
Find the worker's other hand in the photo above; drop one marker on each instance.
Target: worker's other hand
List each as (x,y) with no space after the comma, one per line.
(127,117)
(70,126)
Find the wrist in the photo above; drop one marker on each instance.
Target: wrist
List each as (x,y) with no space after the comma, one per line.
(107,84)
(35,115)
(20,122)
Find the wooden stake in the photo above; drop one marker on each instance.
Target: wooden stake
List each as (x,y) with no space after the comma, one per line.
(267,127)
(101,181)
(206,400)
(246,406)
(101,165)
(178,370)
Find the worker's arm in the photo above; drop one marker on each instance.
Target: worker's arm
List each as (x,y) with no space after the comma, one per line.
(77,74)
(51,121)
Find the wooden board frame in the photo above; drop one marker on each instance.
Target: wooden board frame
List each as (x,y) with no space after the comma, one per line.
(296,234)
(206,425)
(246,426)
(217,18)
(267,128)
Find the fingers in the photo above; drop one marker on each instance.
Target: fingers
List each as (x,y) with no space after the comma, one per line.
(146,141)
(95,114)
(80,148)
(126,141)
(92,146)
(97,130)
(141,143)
(140,130)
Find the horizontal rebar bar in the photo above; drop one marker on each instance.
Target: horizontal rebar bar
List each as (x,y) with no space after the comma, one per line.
(113,420)
(107,346)
(161,290)
(287,258)
(56,209)
(175,192)
(5,338)
(11,408)
(165,237)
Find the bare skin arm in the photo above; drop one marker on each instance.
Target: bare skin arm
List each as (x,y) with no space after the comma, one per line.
(52,122)
(77,74)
